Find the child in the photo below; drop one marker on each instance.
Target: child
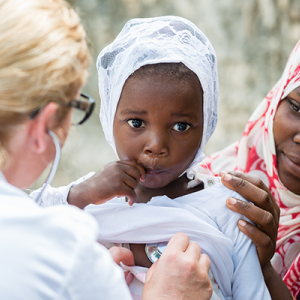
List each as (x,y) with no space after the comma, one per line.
(159,89)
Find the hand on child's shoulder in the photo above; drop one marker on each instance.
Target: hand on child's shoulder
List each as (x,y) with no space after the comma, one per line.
(264,213)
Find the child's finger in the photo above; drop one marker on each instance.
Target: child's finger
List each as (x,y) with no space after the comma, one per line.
(129,193)
(128,179)
(142,172)
(131,170)
(131,200)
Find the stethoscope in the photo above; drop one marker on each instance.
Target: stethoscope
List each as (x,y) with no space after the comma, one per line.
(54,165)
(155,250)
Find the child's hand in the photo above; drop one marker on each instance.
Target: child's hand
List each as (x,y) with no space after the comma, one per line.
(265,212)
(116,179)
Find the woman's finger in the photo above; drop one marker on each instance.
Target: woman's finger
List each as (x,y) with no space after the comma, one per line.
(265,245)
(264,219)
(204,262)
(178,242)
(120,254)
(194,250)
(252,189)
(150,271)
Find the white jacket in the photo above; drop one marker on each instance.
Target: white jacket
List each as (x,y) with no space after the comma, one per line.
(52,253)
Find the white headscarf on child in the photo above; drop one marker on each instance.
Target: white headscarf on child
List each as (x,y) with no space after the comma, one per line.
(157,40)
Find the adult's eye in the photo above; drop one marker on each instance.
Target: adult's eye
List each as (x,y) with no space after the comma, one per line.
(294,106)
(181,127)
(136,123)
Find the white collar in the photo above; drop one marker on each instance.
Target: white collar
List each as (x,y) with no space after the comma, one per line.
(2,177)
(6,187)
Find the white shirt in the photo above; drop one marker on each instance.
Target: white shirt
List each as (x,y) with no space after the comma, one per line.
(52,253)
(203,216)
(206,219)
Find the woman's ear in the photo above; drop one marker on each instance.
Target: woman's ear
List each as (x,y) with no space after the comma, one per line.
(42,123)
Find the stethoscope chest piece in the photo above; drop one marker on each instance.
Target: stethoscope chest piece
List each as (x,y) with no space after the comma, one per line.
(155,250)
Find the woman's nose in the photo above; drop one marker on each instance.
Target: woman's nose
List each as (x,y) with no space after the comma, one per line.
(297,138)
(157,145)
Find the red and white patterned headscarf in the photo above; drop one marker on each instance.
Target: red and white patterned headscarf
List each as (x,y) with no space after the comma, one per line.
(255,154)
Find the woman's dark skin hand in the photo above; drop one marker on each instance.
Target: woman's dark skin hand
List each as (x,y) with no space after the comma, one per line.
(265,214)
(116,179)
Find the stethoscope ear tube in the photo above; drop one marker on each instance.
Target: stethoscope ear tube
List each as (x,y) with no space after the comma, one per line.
(54,165)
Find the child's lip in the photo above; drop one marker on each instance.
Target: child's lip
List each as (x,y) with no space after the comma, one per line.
(154,171)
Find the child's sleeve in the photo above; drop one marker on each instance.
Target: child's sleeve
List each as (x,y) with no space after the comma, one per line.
(248,281)
(56,196)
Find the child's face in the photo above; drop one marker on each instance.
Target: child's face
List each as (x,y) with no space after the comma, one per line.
(159,124)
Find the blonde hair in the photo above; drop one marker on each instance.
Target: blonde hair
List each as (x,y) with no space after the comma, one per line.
(43,58)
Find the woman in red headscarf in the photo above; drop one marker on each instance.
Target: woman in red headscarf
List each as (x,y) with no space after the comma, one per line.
(270,150)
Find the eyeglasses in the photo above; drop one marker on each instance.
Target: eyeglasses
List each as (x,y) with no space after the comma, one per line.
(84,107)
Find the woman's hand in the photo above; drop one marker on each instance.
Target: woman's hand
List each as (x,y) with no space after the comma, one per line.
(124,255)
(264,213)
(116,179)
(180,273)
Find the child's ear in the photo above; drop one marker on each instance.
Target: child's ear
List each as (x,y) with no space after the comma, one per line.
(42,123)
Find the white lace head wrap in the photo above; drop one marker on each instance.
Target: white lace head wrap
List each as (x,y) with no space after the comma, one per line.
(157,40)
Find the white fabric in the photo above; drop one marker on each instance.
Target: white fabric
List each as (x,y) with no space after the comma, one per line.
(204,217)
(293,84)
(56,196)
(137,284)
(52,253)
(151,41)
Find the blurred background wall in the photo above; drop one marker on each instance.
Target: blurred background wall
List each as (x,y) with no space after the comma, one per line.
(252,39)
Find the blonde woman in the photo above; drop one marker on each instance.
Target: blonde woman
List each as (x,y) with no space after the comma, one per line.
(52,253)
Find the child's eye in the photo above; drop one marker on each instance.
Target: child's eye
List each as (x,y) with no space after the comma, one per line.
(136,123)
(181,127)
(294,106)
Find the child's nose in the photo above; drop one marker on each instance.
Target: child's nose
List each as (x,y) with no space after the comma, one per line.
(156,145)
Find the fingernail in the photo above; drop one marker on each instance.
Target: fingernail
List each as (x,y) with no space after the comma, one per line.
(227,177)
(231,201)
(222,173)
(242,223)
(129,278)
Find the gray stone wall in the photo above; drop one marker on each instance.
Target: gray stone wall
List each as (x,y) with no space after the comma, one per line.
(252,39)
